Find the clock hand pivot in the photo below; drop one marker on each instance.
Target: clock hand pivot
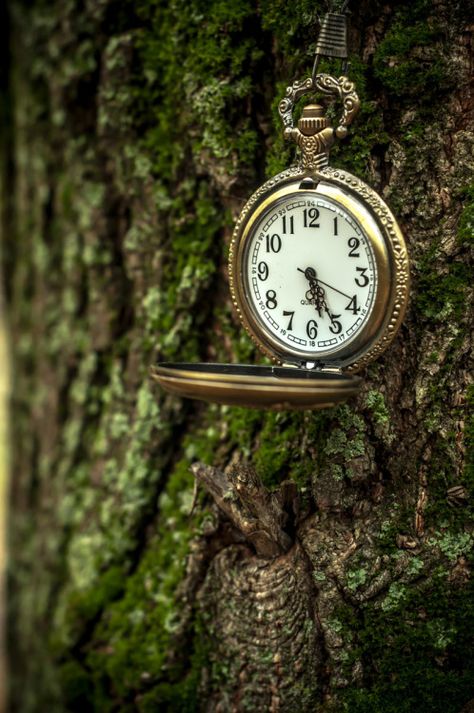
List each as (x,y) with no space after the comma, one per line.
(316,294)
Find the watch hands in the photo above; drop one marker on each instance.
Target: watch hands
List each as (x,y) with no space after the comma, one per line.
(324,283)
(316,295)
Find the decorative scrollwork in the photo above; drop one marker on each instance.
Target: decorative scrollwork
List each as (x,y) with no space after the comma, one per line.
(293,93)
(342,88)
(345,90)
(401,266)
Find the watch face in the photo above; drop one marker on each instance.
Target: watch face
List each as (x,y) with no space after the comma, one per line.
(318,270)
(310,273)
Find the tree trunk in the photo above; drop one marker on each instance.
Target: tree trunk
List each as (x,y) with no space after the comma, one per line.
(325,565)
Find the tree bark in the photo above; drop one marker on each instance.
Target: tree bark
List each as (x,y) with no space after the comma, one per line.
(325,563)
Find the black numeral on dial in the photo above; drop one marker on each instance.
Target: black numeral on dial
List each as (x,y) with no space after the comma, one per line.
(271,299)
(363,280)
(335,226)
(310,217)
(353,306)
(290,323)
(335,326)
(262,271)
(273,243)
(312,329)
(353,243)
(288,225)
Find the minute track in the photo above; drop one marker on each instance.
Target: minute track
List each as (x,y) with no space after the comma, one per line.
(313,250)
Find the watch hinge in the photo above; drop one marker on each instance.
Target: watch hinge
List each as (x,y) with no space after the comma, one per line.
(319,366)
(333,369)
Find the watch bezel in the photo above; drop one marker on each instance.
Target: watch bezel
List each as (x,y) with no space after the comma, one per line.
(390,254)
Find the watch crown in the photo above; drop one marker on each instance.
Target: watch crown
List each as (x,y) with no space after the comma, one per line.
(312,120)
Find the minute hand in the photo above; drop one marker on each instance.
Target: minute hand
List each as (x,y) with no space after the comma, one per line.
(349,297)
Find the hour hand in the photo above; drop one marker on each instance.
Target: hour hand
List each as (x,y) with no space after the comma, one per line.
(309,273)
(315,295)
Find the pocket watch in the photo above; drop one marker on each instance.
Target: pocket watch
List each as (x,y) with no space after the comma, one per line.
(318,268)
(318,265)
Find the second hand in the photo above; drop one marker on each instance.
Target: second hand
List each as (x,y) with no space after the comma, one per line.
(326,285)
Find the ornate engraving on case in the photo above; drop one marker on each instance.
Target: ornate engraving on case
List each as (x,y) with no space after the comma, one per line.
(401,275)
(326,84)
(313,135)
(280,178)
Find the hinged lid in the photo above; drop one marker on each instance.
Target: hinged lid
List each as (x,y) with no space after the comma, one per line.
(265,387)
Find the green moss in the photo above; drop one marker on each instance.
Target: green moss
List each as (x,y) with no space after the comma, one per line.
(416,648)
(135,634)
(395,597)
(242,425)
(453,544)
(468,473)
(76,681)
(466,221)
(293,445)
(356,578)
(286,446)
(137,613)
(218,52)
(207,126)
(380,416)
(137,629)
(275,449)
(445,297)
(165,310)
(409,61)
(376,403)
(292,28)
(85,606)
(440,297)
(346,442)
(368,134)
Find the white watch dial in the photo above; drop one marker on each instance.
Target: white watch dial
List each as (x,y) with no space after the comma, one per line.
(310,273)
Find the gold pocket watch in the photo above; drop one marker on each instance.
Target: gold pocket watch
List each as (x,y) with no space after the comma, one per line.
(318,271)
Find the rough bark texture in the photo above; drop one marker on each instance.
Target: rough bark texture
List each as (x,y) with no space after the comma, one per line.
(326,563)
